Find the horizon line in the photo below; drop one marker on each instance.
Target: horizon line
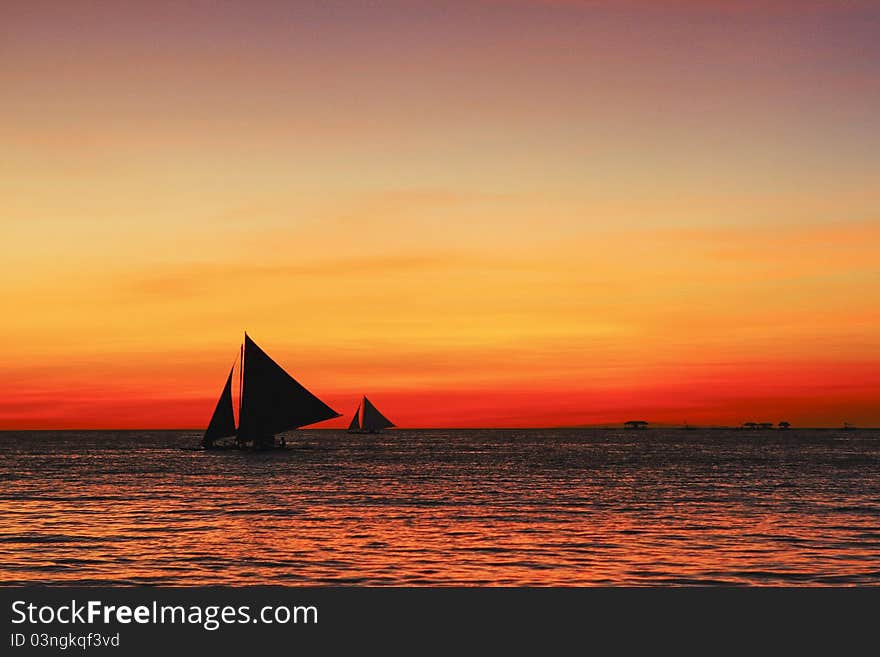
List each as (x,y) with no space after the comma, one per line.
(610,426)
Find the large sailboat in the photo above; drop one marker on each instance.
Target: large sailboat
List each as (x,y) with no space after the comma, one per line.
(270,402)
(368,419)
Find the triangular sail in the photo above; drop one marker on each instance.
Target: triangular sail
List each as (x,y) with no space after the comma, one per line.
(272,401)
(356,420)
(222,423)
(373,420)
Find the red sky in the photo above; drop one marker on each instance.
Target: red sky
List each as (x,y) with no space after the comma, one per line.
(478,213)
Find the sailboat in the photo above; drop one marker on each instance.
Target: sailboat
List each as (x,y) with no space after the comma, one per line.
(270,402)
(368,419)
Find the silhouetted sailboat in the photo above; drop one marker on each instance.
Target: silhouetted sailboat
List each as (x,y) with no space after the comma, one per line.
(271,402)
(368,419)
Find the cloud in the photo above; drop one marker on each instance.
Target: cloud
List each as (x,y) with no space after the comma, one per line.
(191,279)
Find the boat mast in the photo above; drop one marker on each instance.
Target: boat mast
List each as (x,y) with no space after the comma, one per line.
(240,380)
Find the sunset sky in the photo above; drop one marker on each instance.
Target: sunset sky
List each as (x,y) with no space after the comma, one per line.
(481,213)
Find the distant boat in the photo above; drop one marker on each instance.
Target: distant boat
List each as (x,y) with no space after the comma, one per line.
(635,424)
(368,419)
(270,402)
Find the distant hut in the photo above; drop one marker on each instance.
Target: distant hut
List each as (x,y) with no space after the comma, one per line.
(784,425)
(635,424)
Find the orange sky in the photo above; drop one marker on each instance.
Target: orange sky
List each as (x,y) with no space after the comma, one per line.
(487,213)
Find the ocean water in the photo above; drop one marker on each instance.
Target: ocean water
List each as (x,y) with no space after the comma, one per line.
(462,507)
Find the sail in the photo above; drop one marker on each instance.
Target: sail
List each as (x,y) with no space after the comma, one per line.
(356,420)
(272,401)
(222,423)
(373,420)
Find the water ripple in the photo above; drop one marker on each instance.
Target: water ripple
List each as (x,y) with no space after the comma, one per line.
(560,507)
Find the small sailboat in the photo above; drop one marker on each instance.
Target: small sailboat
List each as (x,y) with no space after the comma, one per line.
(270,402)
(368,419)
